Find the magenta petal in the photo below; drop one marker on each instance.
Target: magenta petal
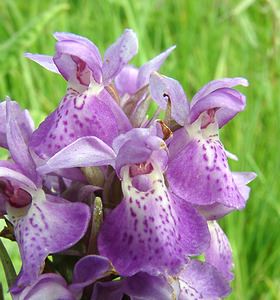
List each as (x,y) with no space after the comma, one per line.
(62,36)
(151,66)
(214,211)
(202,281)
(165,89)
(151,231)
(51,225)
(228,102)
(218,94)
(45,61)
(118,55)
(16,177)
(200,174)
(72,58)
(23,119)
(48,286)
(126,80)
(87,270)
(241,179)
(216,85)
(84,152)
(78,115)
(219,253)
(137,146)
(18,140)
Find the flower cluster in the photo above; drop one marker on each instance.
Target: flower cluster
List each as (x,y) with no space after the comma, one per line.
(106,200)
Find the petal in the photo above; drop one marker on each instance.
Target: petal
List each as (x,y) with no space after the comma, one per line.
(23,119)
(219,94)
(216,85)
(18,141)
(61,36)
(200,174)
(74,57)
(48,286)
(17,178)
(202,281)
(137,146)
(84,152)
(151,231)
(241,179)
(51,225)
(165,89)
(78,115)
(219,253)
(214,211)
(45,61)
(126,80)
(152,65)
(87,270)
(145,286)
(118,55)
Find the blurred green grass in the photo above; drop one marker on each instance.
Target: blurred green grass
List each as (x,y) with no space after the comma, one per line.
(214,39)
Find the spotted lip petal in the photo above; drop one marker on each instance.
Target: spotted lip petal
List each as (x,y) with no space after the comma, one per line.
(78,115)
(153,228)
(51,225)
(118,55)
(219,253)
(213,182)
(202,281)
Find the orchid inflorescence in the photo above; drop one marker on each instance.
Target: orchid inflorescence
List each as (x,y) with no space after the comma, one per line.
(106,200)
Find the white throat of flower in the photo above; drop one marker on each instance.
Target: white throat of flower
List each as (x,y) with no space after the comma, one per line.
(195,130)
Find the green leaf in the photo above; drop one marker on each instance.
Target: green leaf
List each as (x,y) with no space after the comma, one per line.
(7,264)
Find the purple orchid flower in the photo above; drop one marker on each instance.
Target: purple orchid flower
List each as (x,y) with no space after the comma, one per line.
(43,223)
(151,230)
(197,280)
(53,286)
(198,168)
(88,108)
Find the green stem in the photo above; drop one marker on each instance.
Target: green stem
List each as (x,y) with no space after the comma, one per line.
(7,265)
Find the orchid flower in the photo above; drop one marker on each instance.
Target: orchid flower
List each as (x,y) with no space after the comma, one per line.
(198,168)
(151,226)
(43,223)
(87,108)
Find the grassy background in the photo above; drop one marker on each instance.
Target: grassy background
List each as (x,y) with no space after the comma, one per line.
(214,39)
